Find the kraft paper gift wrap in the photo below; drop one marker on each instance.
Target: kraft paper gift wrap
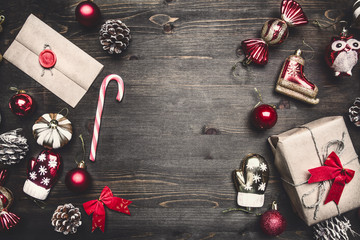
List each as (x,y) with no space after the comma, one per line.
(295,152)
(74,70)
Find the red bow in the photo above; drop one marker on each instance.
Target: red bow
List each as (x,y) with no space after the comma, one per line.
(97,207)
(332,169)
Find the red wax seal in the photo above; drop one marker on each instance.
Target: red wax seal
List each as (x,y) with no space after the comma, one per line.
(47,58)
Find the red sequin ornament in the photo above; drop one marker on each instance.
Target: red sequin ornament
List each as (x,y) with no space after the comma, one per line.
(87,14)
(21,104)
(272,222)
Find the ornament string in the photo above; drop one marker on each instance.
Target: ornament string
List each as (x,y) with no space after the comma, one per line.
(245,63)
(82,152)
(311,49)
(39,203)
(100,107)
(64,109)
(242,210)
(321,185)
(43,69)
(317,23)
(15,89)
(343,24)
(260,99)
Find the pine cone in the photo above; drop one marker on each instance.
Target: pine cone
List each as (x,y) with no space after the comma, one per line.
(13,147)
(66,219)
(332,229)
(354,112)
(114,36)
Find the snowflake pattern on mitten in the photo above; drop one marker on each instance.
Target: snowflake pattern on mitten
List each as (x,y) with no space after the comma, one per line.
(43,172)
(251,181)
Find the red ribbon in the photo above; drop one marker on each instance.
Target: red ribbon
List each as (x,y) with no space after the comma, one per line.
(332,169)
(97,207)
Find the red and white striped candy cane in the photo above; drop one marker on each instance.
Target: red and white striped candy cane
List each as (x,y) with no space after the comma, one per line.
(100,107)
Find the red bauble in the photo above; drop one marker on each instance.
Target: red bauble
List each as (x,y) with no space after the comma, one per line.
(273,223)
(21,104)
(78,179)
(264,116)
(87,14)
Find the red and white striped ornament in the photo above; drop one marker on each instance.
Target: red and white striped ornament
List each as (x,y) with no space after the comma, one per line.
(100,107)
(274,31)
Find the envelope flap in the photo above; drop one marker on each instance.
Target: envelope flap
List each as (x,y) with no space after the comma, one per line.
(73,64)
(71,60)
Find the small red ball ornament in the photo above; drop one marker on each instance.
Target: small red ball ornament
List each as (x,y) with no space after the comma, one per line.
(21,104)
(87,14)
(272,222)
(264,116)
(78,179)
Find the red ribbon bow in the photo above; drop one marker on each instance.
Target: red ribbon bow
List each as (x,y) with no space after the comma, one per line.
(332,169)
(97,207)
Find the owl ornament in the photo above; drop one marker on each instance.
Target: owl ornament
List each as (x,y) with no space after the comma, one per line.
(273,32)
(342,54)
(251,181)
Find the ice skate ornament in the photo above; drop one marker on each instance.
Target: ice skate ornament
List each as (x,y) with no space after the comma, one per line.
(274,31)
(293,83)
(342,53)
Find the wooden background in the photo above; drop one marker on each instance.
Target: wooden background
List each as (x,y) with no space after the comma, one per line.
(153,149)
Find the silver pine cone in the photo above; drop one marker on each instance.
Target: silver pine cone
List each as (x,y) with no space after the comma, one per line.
(13,147)
(333,229)
(66,219)
(354,112)
(114,36)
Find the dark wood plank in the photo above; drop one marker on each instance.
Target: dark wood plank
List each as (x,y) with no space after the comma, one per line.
(152,149)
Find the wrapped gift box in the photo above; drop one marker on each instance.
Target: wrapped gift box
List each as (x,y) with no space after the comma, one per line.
(306,147)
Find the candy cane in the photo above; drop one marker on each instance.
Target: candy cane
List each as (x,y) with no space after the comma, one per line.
(100,107)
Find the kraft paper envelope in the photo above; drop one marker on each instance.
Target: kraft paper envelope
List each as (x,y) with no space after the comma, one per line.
(74,70)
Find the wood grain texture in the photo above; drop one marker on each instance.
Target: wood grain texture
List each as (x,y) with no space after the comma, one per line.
(152,147)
